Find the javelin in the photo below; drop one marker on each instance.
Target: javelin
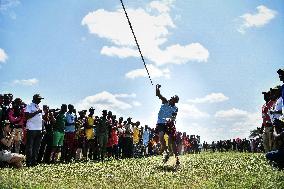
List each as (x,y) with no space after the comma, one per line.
(129,23)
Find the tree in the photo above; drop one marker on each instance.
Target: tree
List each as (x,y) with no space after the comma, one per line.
(255,133)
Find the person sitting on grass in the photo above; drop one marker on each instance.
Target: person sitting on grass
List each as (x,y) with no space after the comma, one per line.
(7,137)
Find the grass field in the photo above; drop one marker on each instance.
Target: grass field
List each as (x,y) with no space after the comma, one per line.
(205,170)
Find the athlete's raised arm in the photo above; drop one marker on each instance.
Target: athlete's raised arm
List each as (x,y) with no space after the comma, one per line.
(158,94)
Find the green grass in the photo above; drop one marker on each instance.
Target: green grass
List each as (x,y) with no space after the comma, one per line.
(206,170)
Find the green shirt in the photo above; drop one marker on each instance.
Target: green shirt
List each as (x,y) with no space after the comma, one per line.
(60,122)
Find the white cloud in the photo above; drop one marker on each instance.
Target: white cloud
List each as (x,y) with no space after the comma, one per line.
(103,100)
(189,111)
(151,30)
(161,7)
(210,98)
(231,114)
(136,103)
(154,71)
(122,52)
(239,124)
(263,16)
(7,4)
(3,56)
(124,95)
(26,82)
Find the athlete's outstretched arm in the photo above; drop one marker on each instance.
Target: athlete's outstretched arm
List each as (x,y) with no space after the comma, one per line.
(158,94)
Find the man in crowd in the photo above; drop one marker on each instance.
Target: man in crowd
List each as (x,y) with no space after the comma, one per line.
(277,156)
(34,127)
(89,131)
(167,111)
(136,137)
(102,134)
(46,143)
(128,138)
(146,138)
(7,137)
(80,138)
(69,138)
(58,133)
(281,77)
(266,122)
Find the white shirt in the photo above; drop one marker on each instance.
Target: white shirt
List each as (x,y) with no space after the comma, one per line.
(34,123)
(277,107)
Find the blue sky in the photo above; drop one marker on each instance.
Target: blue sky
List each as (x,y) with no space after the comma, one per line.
(218,56)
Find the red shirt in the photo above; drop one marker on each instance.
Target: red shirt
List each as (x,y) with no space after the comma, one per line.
(17,120)
(265,116)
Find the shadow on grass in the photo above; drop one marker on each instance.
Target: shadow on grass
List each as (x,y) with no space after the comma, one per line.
(167,168)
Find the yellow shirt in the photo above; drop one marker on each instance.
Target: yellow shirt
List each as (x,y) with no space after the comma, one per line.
(166,137)
(135,135)
(90,132)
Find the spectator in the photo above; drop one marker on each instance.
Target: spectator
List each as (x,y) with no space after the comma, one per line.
(80,138)
(146,138)
(121,138)
(277,156)
(6,106)
(69,138)
(17,119)
(7,137)
(102,134)
(89,130)
(58,133)
(136,138)
(129,138)
(34,127)
(281,77)
(275,111)
(46,143)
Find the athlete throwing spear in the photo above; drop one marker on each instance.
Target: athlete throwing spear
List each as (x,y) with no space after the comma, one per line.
(166,124)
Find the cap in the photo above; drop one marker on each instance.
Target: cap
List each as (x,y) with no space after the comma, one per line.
(6,96)
(82,111)
(91,109)
(280,71)
(266,92)
(37,96)
(278,87)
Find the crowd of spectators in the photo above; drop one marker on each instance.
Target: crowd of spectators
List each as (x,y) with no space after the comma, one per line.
(34,135)
(236,145)
(273,123)
(30,134)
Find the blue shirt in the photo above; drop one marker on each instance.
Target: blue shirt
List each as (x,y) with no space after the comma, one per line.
(166,111)
(146,137)
(70,120)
